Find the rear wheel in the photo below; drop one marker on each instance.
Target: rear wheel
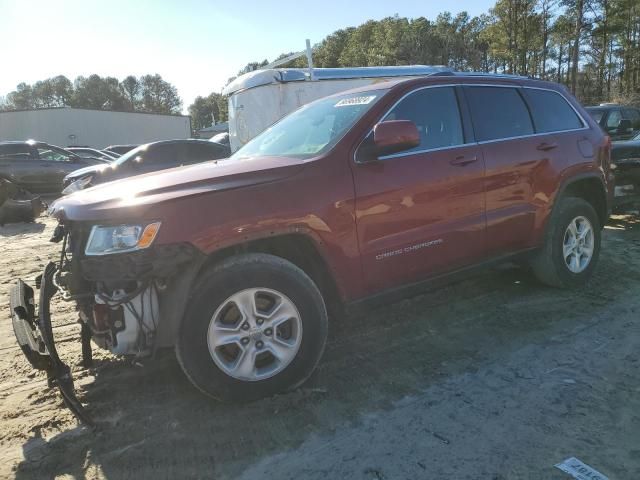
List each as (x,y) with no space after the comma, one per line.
(572,245)
(256,325)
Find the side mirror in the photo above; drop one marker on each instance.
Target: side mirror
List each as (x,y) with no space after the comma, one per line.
(395,136)
(624,126)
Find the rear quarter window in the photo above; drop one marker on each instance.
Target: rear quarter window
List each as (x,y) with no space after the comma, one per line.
(498,113)
(550,111)
(15,152)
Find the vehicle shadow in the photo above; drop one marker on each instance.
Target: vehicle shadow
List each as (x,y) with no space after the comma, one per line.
(22,228)
(153,424)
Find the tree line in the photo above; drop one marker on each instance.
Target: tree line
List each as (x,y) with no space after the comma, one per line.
(148,93)
(591,46)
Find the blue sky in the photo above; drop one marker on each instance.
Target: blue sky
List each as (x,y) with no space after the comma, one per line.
(196,45)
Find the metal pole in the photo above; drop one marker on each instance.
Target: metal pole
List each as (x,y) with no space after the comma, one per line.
(310,60)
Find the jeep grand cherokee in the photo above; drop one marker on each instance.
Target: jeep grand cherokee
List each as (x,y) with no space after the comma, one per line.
(239,264)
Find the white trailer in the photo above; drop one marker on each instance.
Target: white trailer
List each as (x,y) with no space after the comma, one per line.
(258,99)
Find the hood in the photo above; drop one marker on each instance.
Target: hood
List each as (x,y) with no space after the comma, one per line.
(131,197)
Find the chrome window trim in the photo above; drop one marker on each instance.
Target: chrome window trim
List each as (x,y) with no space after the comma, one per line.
(426,150)
(482,142)
(580,117)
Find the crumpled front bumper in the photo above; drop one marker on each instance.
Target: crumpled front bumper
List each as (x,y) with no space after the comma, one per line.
(34,334)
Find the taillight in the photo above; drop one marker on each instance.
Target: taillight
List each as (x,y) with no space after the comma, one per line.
(605,153)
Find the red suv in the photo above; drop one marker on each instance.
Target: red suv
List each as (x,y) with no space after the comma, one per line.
(237,263)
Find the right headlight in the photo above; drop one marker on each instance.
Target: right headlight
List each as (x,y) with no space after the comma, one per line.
(108,239)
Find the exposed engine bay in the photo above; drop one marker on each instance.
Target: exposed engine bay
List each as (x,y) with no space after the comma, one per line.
(119,299)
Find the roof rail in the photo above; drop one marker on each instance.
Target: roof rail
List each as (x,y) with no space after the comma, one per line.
(489,74)
(258,78)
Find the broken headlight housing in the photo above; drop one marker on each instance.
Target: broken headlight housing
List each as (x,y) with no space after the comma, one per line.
(107,239)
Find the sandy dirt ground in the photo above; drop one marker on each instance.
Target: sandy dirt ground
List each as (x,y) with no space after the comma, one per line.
(495,377)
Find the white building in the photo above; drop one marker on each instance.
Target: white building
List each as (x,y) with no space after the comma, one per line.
(96,128)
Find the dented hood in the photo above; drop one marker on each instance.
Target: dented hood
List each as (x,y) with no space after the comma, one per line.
(133,196)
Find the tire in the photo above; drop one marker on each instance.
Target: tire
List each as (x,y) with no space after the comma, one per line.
(550,265)
(277,288)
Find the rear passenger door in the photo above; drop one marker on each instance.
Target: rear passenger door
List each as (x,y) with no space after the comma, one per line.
(17,164)
(421,212)
(526,144)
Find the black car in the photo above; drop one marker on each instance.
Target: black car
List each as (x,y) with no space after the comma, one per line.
(620,122)
(147,158)
(625,159)
(40,167)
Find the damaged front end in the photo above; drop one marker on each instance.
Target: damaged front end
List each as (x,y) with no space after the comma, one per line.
(119,298)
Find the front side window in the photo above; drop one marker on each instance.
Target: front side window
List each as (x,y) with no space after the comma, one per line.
(550,111)
(312,129)
(203,152)
(436,115)
(53,154)
(498,113)
(633,115)
(163,154)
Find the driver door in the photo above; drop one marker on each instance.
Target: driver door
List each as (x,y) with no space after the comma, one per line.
(421,212)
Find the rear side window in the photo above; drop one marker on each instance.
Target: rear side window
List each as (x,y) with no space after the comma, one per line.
(435,112)
(15,152)
(498,112)
(596,114)
(167,154)
(203,152)
(550,111)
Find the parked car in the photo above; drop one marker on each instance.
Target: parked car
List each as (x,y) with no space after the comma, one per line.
(356,197)
(625,158)
(222,138)
(38,166)
(618,121)
(146,158)
(93,153)
(120,149)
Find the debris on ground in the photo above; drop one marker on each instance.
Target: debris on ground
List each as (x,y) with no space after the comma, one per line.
(17,204)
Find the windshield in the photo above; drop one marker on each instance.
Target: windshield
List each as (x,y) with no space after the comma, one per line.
(130,154)
(312,129)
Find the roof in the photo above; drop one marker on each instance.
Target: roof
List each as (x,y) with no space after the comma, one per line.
(259,78)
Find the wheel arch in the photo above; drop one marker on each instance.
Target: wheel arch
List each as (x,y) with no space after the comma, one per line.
(591,188)
(298,248)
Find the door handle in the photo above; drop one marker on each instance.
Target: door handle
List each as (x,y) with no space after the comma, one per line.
(461,160)
(544,146)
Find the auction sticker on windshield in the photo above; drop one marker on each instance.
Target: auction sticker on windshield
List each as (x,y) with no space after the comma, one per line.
(364,100)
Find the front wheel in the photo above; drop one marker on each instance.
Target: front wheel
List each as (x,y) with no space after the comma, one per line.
(572,245)
(256,325)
